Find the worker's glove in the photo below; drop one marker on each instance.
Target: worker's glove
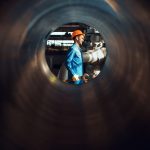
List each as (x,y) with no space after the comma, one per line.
(75,78)
(85,77)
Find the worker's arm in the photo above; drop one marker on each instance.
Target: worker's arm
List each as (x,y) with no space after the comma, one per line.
(69,59)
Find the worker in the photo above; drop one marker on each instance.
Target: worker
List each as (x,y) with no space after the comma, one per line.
(74,60)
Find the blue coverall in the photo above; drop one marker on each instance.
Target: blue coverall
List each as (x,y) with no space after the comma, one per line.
(74,63)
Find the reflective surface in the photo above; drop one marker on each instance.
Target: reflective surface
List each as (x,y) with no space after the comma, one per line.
(39,112)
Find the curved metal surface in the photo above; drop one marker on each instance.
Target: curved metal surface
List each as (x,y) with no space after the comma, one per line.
(39,112)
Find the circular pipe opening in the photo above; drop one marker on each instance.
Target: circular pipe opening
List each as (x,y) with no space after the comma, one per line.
(93,51)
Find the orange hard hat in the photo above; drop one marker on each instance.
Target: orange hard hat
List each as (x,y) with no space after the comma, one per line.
(77,32)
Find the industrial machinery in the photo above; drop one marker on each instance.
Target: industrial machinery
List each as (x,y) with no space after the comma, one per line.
(92,55)
(39,112)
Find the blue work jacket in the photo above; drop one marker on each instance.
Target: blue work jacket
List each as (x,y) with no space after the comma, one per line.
(74,63)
